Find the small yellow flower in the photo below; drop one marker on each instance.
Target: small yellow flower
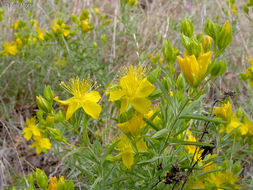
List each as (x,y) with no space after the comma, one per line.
(225,111)
(61,62)
(60,28)
(86,26)
(234,123)
(208,41)
(40,143)
(53,183)
(126,151)
(31,129)
(248,125)
(19,42)
(41,34)
(189,137)
(221,178)
(82,97)
(194,68)
(96,11)
(9,48)
(133,89)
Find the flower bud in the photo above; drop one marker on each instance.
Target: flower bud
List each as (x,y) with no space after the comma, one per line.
(210,29)
(41,178)
(48,93)
(74,18)
(180,82)
(56,134)
(224,36)
(85,15)
(186,28)
(218,68)
(43,104)
(168,52)
(207,42)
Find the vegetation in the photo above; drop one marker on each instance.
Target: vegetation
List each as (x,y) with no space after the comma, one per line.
(126,95)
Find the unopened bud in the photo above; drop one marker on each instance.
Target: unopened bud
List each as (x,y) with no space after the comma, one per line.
(41,178)
(210,29)
(48,93)
(186,28)
(43,104)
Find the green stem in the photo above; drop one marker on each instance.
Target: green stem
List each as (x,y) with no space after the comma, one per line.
(172,126)
(85,134)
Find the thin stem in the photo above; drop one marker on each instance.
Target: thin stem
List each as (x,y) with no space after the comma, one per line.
(85,134)
(173,124)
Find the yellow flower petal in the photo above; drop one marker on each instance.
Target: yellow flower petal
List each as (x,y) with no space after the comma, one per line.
(27,133)
(204,60)
(72,107)
(53,183)
(142,105)
(194,66)
(116,95)
(92,109)
(123,127)
(128,159)
(145,89)
(249,125)
(45,143)
(92,96)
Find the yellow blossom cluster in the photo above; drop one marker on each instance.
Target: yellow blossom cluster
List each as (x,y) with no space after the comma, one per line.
(225,112)
(215,178)
(33,131)
(133,90)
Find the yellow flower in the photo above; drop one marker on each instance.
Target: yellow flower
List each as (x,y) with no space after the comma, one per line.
(249,125)
(96,11)
(40,143)
(19,42)
(227,28)
(31,129)
(82,97)
(189,137)
(9,48)
(133,88)
(86,26)
(60,28)
(61,62)
(126,151)
(225,111)
(53,183)
(171,93)
(194,69)
(132,125)
(234,123)
(41,33)
(223,178)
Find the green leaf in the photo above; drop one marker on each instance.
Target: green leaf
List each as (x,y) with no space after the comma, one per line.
(149,161)
(201,117)
(160,133)
(182,142)
(151,124)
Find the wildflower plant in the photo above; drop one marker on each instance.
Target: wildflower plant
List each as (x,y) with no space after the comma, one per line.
(163,134)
